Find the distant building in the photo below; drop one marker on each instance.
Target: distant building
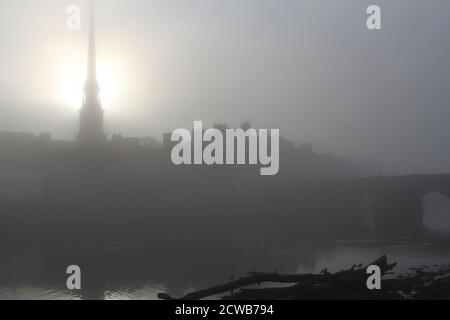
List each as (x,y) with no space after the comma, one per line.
(117,140)
(16,139)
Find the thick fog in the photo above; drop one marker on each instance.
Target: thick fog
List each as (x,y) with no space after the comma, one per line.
(310,68)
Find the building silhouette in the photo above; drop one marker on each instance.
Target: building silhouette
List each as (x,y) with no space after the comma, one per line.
(100,178)
(91,113)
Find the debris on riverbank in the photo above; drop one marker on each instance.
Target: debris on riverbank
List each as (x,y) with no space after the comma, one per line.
(422,283)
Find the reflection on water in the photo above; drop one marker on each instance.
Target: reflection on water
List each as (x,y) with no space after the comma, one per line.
(340,256)
(31,293)
(143,293)
(128,282)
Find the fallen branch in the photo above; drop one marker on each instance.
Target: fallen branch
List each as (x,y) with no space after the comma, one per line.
(303,283)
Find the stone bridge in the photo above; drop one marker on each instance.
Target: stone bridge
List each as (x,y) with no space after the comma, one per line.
(395,202)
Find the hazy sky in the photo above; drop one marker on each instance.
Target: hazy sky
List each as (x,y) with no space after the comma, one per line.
(310,68)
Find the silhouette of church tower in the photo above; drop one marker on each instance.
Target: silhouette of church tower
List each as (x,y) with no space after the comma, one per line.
(91,113)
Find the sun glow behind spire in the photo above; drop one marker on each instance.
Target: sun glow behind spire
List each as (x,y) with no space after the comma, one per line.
(72,76)
(101,81)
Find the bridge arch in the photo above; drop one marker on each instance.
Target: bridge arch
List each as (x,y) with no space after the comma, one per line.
(436,211)
(399,205)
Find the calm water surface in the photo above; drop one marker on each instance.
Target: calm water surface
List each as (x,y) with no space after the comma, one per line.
(306,257)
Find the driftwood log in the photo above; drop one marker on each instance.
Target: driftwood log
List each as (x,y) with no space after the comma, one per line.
(351,282)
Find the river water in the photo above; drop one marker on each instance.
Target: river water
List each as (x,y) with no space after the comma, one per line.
(31,278)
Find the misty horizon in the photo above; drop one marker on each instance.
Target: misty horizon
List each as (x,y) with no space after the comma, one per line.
(224,150)
(314,72)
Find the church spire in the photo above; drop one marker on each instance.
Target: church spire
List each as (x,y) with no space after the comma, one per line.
(91,114)
(92,58)
(91,87)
